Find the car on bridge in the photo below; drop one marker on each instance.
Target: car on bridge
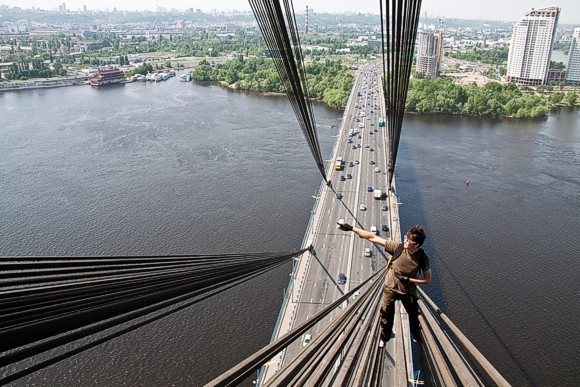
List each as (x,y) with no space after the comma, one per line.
(306,340)
(338,195)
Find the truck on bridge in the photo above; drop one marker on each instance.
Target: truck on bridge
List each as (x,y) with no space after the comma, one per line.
(339,164)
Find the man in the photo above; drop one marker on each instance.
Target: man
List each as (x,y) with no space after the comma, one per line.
(401,282)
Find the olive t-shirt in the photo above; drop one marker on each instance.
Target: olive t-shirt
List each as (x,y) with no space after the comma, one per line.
(406,264)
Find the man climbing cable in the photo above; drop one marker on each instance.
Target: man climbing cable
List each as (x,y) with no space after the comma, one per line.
(401,283)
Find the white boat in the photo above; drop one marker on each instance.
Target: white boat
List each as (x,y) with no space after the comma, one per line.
(185,77)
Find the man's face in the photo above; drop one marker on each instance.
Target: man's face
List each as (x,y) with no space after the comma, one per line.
(410,245)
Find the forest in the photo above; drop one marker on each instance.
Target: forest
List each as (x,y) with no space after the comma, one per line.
(328,80)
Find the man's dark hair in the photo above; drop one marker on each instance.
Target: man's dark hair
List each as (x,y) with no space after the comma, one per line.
(417,234)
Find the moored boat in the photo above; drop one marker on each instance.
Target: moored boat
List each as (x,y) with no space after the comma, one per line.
(107,77)
(185,77)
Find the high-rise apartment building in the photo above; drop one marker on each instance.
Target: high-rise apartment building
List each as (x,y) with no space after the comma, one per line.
(428,54)
(531,46)
(573,77)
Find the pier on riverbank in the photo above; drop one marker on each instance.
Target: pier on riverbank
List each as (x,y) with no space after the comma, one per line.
(43,84)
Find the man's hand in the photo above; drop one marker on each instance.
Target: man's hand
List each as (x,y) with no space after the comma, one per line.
(401,277)
(344,226)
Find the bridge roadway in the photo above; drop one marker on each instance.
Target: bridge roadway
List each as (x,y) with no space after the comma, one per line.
(314,282)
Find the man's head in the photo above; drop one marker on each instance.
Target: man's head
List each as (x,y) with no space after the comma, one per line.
(416,236)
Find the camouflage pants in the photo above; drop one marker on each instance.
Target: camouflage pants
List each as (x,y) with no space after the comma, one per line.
(388,313)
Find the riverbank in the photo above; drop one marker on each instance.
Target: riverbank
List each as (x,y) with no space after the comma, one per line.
(423,98)
(43,84)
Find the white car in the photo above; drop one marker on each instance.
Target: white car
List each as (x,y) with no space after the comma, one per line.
(362,207)
(374,229)
(377,169)
(368,252)
(306,340)
(340,221)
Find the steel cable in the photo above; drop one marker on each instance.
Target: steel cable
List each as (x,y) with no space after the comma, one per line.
(37,318)
(281,37)
(41,347)
(399,30)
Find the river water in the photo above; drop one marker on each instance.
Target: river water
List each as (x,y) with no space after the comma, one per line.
(181,168)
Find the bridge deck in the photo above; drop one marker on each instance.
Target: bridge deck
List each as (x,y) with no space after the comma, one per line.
(314,282)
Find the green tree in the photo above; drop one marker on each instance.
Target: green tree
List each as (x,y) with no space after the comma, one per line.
(557,65)
(556,98)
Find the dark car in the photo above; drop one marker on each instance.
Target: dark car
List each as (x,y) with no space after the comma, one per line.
(338,195)
(342,178)
(341,278)
(384,227)
(348,176)
(370,189)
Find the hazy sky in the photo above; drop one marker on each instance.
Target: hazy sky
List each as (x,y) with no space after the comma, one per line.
(508,10)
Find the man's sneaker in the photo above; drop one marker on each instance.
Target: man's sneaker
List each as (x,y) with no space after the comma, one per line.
(381,344)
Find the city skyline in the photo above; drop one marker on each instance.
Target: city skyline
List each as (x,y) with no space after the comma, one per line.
(451,9)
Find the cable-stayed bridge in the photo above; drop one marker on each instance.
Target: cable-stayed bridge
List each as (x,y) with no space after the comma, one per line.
(327,332)
(328,329)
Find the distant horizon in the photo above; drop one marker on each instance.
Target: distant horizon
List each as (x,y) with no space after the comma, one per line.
(510,12)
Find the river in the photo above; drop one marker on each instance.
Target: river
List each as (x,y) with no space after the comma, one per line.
(181,168)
